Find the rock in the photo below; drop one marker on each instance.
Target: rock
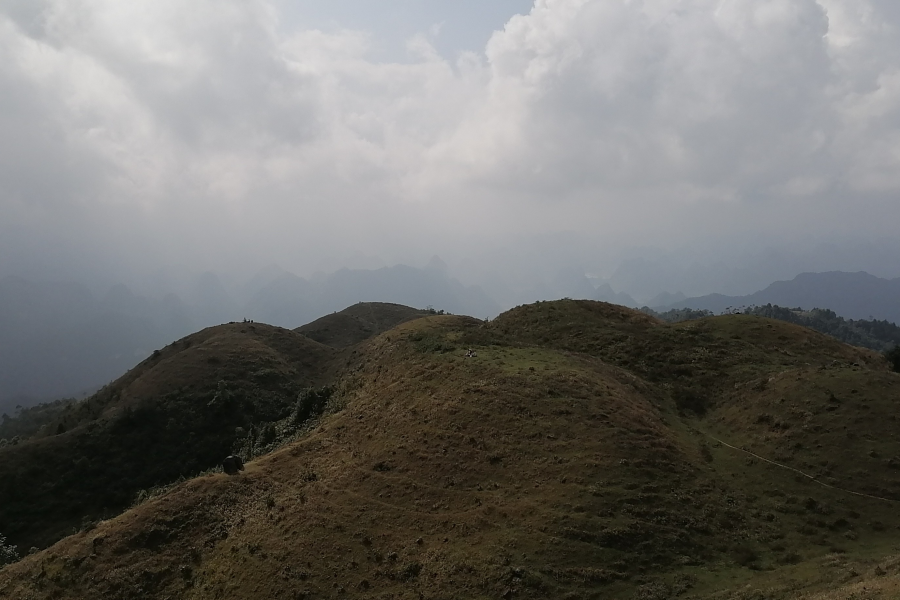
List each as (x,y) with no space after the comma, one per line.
(232,464)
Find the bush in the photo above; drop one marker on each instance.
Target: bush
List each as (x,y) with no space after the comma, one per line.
(677,315)
(268,434)
(690,400)
(893,357)
(310,403)
(429,342)
(8,553)
(744,555)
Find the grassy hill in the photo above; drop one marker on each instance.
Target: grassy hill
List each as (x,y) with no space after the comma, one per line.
(586,451)
(882,336)
(173,415)
(358,323)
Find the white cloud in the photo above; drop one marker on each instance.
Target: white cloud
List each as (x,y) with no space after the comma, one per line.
(208,132)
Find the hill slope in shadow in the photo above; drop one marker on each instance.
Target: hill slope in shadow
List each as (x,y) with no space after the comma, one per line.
(358,323)
(60,339)
(173,415)
(587,451)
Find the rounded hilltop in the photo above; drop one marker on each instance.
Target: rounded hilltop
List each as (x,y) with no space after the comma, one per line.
(584,450)
(358,323)
(175,414)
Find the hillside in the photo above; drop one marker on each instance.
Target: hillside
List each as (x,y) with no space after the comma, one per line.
(881,336)
(61,339)
(173,415)
(868,333)
(358,323)
(586,451)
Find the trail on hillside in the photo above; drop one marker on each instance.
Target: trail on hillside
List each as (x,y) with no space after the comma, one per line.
(798,471)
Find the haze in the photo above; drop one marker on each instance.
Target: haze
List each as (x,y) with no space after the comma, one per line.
(694,146)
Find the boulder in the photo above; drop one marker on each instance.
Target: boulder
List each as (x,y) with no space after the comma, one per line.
(232,464)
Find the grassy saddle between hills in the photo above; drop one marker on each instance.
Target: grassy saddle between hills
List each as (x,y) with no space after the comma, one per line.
(586,451)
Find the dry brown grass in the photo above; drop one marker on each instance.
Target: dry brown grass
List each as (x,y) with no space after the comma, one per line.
(173,415)
(559,463)
(358,323)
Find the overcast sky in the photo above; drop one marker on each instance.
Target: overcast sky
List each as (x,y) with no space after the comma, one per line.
(219,134)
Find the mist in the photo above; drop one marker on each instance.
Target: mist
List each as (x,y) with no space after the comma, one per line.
(539,150)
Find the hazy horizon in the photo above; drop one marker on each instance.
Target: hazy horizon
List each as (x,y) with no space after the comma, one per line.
(696,147)
(655,241)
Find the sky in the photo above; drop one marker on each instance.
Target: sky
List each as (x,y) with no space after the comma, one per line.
(708,145)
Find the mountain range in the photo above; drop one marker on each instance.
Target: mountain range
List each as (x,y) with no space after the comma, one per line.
(60,339)
(850,295)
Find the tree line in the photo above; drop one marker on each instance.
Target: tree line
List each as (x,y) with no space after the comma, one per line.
(879,335)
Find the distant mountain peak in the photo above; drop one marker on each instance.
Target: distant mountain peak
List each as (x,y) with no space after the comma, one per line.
(436,264)
(856,295)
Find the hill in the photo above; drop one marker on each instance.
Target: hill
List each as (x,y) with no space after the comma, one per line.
(358,323)
(289,300)
(882,336)
(62,340)
(585,451)
(175,414)
(850,295)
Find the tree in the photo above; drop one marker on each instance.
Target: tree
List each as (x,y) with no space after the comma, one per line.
(893,357)
(8,553)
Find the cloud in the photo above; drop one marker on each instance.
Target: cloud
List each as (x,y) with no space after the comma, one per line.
(148,133)
(622,96)
(635,112)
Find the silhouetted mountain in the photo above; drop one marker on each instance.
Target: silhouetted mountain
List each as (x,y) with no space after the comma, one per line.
(60,340)
(571,283)
(290,300)
(666,298)
(850,295)
(214,299)
(605,293)
(286,300)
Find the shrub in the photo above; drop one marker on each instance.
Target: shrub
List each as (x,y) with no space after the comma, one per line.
(429,342)
(268,434)
(311,402)
(893,357)
(8,553)
(687,399)
(744,555)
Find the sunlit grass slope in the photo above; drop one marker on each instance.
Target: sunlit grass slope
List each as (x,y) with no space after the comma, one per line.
(586,451)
